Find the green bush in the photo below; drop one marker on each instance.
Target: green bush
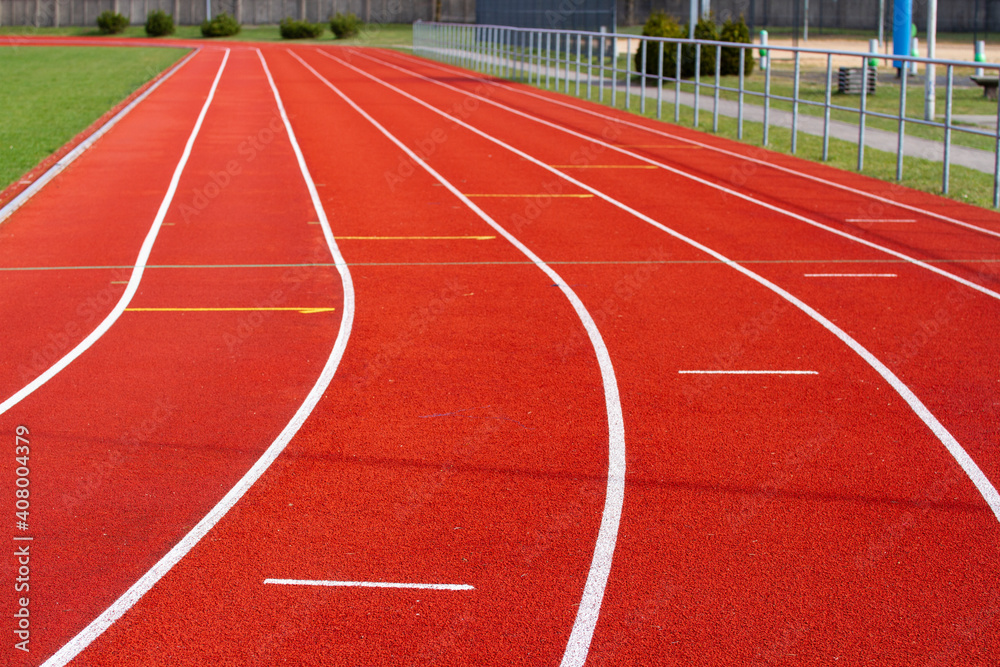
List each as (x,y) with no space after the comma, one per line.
(736,32)
(111,23)
(292,29)
(345,25)
(159,23)
(704,29)
(222,25)
(659,24)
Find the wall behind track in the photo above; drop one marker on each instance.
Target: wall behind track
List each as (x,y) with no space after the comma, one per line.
(953,15)
(46,13)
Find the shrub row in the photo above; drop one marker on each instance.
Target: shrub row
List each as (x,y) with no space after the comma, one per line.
(292,29)
(660,24)
(159,23)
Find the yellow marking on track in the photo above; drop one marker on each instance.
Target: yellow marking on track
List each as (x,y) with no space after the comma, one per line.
(304,310)
(571,196)
(119,282)
(414,238)
(602,166)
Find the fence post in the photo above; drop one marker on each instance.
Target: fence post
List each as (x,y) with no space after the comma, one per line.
(949,94)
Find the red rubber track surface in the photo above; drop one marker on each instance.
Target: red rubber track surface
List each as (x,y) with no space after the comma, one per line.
(768,519)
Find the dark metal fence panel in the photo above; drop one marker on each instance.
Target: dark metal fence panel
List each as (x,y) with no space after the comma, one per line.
(548,14)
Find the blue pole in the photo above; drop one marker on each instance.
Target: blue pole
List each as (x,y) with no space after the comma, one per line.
(902,20)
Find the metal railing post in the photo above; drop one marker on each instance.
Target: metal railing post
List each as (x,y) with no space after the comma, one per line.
(767,101)
(600,92)
(861,110)
(739,95)
(946,171)
(590,66)
(660,48)
(628,76)
(902,128)
(677,85)
(642,78)
(697,82)
(614,69)
(795,104)
(578,65)
(826,107)
(718,75)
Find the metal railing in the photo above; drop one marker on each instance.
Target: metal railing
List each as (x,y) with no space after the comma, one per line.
(582,63)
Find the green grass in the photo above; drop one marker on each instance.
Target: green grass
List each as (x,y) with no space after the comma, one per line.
(52,93)
(372,34)
(966,185)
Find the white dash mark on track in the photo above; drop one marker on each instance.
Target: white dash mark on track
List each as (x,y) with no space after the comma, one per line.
(880,220)
(370,584)
(850,275)
(722,372)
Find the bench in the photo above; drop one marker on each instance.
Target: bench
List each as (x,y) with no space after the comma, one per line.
(989,85)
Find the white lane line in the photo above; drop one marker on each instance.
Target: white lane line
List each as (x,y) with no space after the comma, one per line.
(699,144)
(971,469)
(68,159)
(697,179)
(607,535)
(723,372)
(880,220)
(370,584)
(148,580)
(850,275)
(137,270)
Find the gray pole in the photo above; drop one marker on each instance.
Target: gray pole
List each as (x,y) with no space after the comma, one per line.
(881,23)
(693,18)
(805,27)
(930,79)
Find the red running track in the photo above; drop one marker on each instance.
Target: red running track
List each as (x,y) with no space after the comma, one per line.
(802,360)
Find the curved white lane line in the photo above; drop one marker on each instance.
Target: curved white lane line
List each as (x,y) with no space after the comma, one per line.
(763,163)
(68,159)
(148,580)
(607,536)
(137,271)
(975,474)
(698,179)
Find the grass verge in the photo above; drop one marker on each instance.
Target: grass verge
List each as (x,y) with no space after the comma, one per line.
(53,93)
(372,34)
(966,185)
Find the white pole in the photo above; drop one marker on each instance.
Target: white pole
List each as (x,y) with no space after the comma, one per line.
(930,80)
(692,18)
(805,21)
(208,10)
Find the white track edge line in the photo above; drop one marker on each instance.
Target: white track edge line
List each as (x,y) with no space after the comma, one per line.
(972,470)
(764,163)
(147,581)
(703,181)
(137,270)
(68,159)
(593,593)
